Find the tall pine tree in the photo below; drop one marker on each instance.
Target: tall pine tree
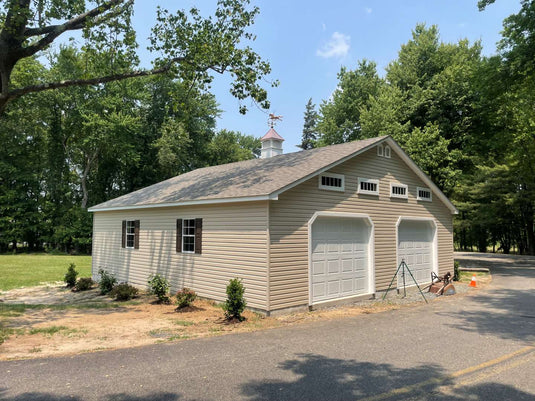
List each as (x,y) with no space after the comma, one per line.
(308,140)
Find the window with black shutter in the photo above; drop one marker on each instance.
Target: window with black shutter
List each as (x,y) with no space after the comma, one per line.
(189,235)
(130,234)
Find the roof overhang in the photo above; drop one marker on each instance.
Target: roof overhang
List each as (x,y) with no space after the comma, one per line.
(185,203)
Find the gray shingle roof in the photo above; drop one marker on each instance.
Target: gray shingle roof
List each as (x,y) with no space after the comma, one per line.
(245,179)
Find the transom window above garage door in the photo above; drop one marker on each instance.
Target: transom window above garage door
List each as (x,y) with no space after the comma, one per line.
(332,182)
(368,186)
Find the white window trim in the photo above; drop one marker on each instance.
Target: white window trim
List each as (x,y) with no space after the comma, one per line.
(364,192)
(183,236)
(389,152)
(329,188)
(380,150)
(393,195)
(133,235)
(418,189)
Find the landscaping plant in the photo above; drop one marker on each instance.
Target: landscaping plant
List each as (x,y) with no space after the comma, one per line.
(84,284)
(107,281)
(159,286)
(235,303)
(70,276)
(185,297)
(123,292)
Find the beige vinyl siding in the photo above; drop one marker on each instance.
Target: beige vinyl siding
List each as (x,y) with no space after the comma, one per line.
(234,244)
(289,216)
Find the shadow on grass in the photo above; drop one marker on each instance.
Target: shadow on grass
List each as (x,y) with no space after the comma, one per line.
(315,377)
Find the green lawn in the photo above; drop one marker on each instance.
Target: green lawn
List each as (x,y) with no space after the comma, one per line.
(27,270)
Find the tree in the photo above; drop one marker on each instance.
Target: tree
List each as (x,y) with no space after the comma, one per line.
(229,146)
(308,139)
(339,117)
(192,48)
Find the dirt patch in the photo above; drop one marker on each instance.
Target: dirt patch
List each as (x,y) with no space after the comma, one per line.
(70,323)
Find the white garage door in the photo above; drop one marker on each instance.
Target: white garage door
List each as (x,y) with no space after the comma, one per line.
(415,245)
(340,256)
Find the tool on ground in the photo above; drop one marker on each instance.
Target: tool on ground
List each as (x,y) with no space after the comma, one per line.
(473,282)
(403,266)
(441,285)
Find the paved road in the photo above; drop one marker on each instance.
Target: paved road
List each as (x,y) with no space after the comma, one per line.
(478,347)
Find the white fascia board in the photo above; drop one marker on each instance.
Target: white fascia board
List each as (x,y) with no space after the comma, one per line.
(185,203)
(322,170)
(423,176)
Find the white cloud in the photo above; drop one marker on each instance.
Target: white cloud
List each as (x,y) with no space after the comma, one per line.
(323,27)
(337,46)
(368,10)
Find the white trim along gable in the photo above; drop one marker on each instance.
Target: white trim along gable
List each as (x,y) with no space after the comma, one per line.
(422,175)
(371,249)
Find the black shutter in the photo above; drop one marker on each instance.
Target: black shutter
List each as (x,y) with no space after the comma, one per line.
(136,234)
(123,238)
(198,235)
(179,235)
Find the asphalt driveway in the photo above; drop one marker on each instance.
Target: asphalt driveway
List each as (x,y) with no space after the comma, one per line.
(477,347)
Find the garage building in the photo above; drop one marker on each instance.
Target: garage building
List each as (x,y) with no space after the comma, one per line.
(300,229)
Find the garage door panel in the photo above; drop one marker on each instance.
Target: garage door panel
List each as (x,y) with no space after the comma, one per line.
(342,245)
(334,266)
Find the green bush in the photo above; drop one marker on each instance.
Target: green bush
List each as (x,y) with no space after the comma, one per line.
(107,281)
(185,297)
(84,284)
(123,292)
(235,303)
(70,276)
(159,286)
(456,273)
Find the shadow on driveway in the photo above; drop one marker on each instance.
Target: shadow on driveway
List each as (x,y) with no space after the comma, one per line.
(321,378)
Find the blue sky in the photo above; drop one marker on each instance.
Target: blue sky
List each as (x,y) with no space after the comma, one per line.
(307,42)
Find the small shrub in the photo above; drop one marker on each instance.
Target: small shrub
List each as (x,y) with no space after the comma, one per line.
(123,292)
(185,297)
(70,276)
(159,286)
(235,303)
(456,273)
(84,284)
(107,281)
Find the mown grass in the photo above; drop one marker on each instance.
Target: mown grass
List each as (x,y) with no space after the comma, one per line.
(26,270)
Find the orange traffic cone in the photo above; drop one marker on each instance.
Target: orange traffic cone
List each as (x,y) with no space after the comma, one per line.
(473,282)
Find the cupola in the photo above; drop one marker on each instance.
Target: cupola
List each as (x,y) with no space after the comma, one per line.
(272,141)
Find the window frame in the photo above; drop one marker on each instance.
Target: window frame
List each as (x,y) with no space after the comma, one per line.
(184,235)
(386,147)
(365,191)
(132,234)
(380,150)
(329,187)
(397,184)
(418,197)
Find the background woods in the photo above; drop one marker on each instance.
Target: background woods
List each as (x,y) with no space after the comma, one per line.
(467,120)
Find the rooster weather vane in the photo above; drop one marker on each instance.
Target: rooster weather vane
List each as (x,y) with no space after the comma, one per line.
(273,120)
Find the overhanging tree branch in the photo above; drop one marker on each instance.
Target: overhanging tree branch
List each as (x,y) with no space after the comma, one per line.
(16,93)
(75,23)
